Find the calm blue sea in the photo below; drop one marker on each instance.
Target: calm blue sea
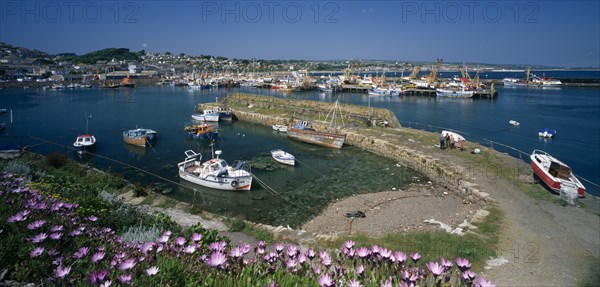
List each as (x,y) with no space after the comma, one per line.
(322,174)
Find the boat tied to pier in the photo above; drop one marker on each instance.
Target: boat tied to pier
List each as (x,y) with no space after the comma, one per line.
(140,137)
(214,173)
(280,128)
(555,174)
(207,115)
(303,131)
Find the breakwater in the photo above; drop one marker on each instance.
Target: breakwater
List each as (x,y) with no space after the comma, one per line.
(396,143)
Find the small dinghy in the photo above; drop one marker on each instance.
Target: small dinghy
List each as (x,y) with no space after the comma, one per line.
(547,133)
(283,157)
(514,123)
(280,128)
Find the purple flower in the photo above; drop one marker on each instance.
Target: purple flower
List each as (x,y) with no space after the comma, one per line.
(387,283)
(400,257)
(125,279)
(279,247)
(468,275)
(481,282)
(325,258)
(435,268)
(349,244)
(82,252)
(106,283)
(217,259)
(36,252)
(292,250)
(325,281)
(56,235)
(236,252)
(95,277)
(374,249)
(354,283)
(16,218)
(261,244)
(75,232)
(36,224)
(39,238)
(360,269)
(446,264)
(385,253)
(291,263)
(310,253)
(127,264)
(302,258)
(97,256)
(163,239)
(190,249)
(92,218)
(463,264)
(363,252)
(415,257)
(152,271)
(217,246)
(179,241)
(147,247)
(196,237)
(56,228)
(61,272)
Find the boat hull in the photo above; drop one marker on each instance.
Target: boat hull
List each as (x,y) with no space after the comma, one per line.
(222,183)
(283,157)
(206,118)
(85,148)
(318,138)
(280,128)
(554,183)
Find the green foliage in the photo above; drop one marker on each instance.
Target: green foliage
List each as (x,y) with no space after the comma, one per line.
(139,190)
(235,224)
(108,54)
(19,168)
(141,233)
(56,159)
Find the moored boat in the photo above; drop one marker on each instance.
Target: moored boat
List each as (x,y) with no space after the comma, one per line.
(283,157)
(514,123)
(214,173)
(456,93)
(202,131)
(554,173)
(207,116)
(280,128)
(547,133)
(303,131)
(140,137)
(85,143)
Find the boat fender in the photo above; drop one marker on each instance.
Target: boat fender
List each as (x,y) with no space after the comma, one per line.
(235,183)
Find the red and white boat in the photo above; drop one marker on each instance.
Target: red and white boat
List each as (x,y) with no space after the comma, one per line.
(554,173)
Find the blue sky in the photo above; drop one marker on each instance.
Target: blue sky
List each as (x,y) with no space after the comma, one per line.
(556,33)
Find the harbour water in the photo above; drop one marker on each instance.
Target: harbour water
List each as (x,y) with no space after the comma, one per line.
(294,194)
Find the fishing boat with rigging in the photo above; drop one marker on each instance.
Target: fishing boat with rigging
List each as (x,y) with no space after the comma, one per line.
(85,142)
(303,131)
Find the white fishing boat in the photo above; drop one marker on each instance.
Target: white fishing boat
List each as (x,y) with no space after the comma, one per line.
(455,93)
(214,173)
(280,128)
(85,142)
(514,123)
(207,116)
(283,157)
(554,173)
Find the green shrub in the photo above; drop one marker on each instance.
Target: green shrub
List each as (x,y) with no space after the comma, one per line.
(56,159)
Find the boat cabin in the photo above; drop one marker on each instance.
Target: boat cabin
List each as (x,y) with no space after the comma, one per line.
(559,171)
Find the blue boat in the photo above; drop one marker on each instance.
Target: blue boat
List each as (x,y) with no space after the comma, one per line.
(547,133)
